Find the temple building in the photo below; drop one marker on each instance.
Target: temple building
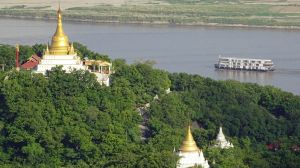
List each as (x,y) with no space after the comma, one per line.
(101,69)
(190,155)
(62,53)
(221,141)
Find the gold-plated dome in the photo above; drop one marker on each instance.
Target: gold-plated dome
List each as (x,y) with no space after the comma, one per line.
(60,42)
(189,144)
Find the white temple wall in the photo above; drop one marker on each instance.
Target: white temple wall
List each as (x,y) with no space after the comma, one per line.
(60,57)
(43,68)
(190,159)
(60,62)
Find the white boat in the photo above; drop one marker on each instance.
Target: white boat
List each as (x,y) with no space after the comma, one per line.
(244,64)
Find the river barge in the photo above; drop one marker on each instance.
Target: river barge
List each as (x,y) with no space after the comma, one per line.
(244,64)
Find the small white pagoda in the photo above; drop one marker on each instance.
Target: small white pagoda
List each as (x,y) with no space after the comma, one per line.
(221,141)
(190,155)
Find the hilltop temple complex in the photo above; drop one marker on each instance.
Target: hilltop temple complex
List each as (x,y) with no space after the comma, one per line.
(62,53)
(189,153)
(221,141)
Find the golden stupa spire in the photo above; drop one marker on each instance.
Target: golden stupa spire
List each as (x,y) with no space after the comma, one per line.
(60,42)
(189,144)
(47,52)
(72,50)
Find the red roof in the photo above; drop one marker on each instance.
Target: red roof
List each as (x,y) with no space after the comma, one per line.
(31,63)
(35,58)
(273,146)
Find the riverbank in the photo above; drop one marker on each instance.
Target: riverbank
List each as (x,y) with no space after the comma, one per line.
(204,14)
(155,23)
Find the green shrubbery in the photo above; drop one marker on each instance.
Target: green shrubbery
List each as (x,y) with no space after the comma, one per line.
(69,120)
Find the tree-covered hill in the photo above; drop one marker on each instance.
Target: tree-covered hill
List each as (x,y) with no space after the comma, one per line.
(69,120)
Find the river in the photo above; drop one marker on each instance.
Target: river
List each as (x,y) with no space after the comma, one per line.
(177,48)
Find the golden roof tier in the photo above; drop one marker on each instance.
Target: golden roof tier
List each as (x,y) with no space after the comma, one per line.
(189,144)
(60,42)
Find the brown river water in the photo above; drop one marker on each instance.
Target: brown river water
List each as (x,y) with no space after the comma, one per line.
(177,48)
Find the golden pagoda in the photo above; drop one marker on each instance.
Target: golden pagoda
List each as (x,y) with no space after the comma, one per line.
(60,43)
(190,155)
(189,144)
(62,53)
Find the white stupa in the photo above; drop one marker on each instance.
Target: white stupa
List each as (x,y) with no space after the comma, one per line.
(60,53)
(221,141)
(190,155)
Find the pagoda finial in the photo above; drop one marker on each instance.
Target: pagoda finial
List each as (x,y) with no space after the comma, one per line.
(72,50)
(59,5)
(221,135)
(189,144)
(60,42)
(47,50)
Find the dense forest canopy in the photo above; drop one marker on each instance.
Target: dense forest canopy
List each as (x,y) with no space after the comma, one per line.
(69,120)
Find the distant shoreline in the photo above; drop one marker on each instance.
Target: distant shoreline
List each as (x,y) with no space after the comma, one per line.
(202,24)
(235,15)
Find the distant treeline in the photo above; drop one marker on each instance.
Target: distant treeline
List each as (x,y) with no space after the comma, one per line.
(187,13)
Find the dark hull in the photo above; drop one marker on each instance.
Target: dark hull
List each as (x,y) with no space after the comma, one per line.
(242,69)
